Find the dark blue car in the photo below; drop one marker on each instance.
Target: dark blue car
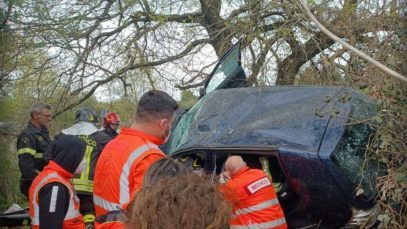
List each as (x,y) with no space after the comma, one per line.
(312,140)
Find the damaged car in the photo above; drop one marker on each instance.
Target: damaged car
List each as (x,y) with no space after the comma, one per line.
(311,140)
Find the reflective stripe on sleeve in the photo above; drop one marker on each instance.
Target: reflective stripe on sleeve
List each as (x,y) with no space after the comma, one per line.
(53,202)
(26,150)
(256,207)
(107,205)
(269,224)
(124,176)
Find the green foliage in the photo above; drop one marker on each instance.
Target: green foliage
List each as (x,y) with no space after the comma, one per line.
(188,99)
(9,175)
(389,146)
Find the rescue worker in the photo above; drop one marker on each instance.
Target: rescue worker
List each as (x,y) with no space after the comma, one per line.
(251,192)
(122,164)
(32,145)
(85,129)
(52,199)
(111,124)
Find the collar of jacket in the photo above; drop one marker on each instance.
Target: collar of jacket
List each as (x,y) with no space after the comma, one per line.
(240,171)
(80,128)
(55,167)
(144,135)
(35,130)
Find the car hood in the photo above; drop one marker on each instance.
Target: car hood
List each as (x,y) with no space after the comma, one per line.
(273,117)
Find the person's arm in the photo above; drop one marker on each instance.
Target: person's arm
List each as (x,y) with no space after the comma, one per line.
(53,203)
(26,150)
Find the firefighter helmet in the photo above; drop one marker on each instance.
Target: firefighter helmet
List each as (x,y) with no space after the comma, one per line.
(86,114)
(111,118)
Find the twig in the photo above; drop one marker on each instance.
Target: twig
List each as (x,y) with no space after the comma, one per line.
(350,47)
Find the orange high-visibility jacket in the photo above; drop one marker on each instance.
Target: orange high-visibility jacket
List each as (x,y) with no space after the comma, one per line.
(54,173)
(120,169)
(254,201)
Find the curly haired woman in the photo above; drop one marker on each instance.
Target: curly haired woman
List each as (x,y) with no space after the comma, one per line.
(185,201)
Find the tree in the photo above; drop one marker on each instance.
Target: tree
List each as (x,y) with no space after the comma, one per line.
(92,43)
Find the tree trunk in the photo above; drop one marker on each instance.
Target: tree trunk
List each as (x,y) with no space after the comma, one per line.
(219,33)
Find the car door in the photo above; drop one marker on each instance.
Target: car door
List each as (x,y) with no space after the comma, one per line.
(228,72)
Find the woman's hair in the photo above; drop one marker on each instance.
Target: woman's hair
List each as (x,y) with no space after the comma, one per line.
(162,168)
(185,201)
(165,167)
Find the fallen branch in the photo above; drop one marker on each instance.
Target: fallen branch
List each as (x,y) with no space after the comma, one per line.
(350,47)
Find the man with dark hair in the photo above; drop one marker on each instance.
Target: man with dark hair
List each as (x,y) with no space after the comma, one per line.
(122,164)
(32,144)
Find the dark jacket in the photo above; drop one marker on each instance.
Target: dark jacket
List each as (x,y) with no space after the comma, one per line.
(111,133)
(32,149)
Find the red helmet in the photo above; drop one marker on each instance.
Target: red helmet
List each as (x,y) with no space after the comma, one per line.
(111,118)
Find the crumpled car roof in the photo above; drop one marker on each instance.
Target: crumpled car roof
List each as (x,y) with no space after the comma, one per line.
(289,116)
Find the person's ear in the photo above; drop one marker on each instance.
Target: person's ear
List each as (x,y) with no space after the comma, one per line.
(35,116)
(162,123)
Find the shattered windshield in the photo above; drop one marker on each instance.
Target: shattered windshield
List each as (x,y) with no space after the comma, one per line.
(181,131)
(351,156)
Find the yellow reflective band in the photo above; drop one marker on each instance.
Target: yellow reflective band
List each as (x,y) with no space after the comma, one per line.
(88,218)
(38,155)
(83,188)
(88,154)
(82,182)
(26,150)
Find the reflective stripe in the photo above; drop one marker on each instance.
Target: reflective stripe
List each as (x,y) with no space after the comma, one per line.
(256,207)
(38,155)
(36,219)
(82,185)
(26,150)
(89,218)
(84,188)
(269,224)
(87,156)
(124,176)
(53,201)
(76,181)
(107,205)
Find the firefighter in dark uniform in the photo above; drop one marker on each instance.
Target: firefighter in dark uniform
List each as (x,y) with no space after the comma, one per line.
(85,129)
(32,145)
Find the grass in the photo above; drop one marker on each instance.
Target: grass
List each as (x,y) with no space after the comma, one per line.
(9,174)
